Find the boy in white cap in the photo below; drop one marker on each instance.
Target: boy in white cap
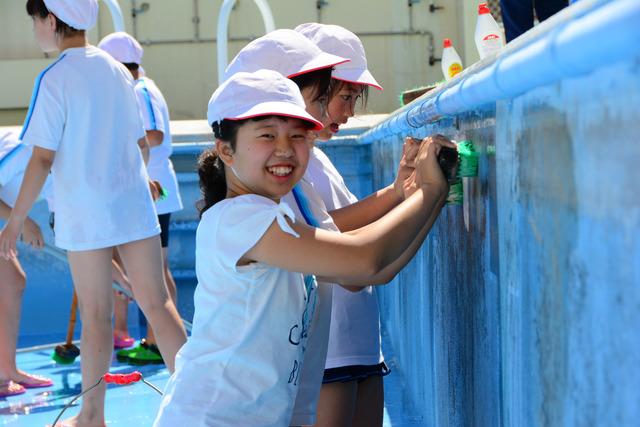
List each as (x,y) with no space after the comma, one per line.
(352,391)
(155,113)
(13,161)
(255,261)
(83,123)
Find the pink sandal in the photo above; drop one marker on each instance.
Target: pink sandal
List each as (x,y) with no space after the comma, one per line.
(35,381)
(122,342)
(10,388)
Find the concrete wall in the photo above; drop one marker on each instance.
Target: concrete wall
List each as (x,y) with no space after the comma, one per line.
(180,55)
(522,308)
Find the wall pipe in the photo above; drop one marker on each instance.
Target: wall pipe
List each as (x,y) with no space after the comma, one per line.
(116,14)
(584,37)
(223,26)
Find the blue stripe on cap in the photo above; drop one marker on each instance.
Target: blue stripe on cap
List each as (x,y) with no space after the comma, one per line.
(303,205)
(147,99)
(34,96)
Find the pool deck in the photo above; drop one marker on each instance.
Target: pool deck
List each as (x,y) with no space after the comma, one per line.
(132,405)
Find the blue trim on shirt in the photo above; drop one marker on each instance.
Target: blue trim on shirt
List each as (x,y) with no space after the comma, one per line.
(147,98)
(34,96)
(303,205)
(11,153)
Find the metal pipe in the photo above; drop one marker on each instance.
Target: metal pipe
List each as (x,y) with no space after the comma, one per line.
(587,35)
(196,20)
(116,14)
(223,26)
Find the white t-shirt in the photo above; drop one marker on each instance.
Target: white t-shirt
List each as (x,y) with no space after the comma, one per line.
(155,115)
(14,157)
(354,338)
(84,108)
(241,366)
(304,411)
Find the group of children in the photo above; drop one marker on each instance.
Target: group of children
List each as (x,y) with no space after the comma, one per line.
(286,328)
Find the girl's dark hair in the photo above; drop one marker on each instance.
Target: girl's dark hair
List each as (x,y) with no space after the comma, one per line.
(213,184)
(39,9)
(337,85)
(320,80)
(131,66)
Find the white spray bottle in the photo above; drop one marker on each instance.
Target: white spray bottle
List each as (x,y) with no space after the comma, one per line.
(451,62)
(489,38)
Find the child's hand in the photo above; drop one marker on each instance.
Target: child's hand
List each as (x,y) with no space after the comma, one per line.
(428,171)
(32,235)
(406,167)
(8,237)
(156,189)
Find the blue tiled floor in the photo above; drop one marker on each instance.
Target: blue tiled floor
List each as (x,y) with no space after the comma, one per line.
(133,405)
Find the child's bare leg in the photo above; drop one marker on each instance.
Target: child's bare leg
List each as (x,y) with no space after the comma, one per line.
(171,287)
(121,311)
(12,283)
(121,307)
(370,402)
(143,262)
(91,271)
(337,404)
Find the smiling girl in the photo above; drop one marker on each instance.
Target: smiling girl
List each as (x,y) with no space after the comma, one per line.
(256,262)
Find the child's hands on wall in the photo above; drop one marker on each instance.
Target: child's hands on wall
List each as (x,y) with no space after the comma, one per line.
(428,171)
(406,167)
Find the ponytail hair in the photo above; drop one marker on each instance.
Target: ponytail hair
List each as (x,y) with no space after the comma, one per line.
(213,184)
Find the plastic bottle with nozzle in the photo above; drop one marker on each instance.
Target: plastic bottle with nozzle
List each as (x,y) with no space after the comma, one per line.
(451,62)
(489,37)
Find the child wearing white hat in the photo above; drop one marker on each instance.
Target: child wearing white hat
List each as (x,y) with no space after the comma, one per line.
(354,364)
(155,113)
(13,161)
(83,124)
(256,261)
(293,54)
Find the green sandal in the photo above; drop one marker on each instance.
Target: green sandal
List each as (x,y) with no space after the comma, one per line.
(142,354)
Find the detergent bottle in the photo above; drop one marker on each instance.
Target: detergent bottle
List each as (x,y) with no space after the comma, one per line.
(451,62)
(489,38)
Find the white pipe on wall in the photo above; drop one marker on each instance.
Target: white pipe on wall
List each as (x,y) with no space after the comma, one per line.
(223,27)
(116,14)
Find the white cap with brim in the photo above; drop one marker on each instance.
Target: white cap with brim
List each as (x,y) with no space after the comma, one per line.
(338,40)
(256,94)
(122,47)
(78,14)
(285,51)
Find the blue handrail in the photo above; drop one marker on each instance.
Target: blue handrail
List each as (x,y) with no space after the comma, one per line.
(585,36)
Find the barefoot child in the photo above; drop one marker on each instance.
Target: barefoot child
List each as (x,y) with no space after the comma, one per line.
(13,161)
(155,113)
(83,124)
(255,261)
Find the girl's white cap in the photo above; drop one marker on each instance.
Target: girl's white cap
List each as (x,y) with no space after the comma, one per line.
(338,40)
(122,47)
(285,51)
(260,93)
(78,14)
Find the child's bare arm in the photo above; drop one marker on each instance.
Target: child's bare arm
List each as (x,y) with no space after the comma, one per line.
(376,205)
(367,252)
(34,177)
